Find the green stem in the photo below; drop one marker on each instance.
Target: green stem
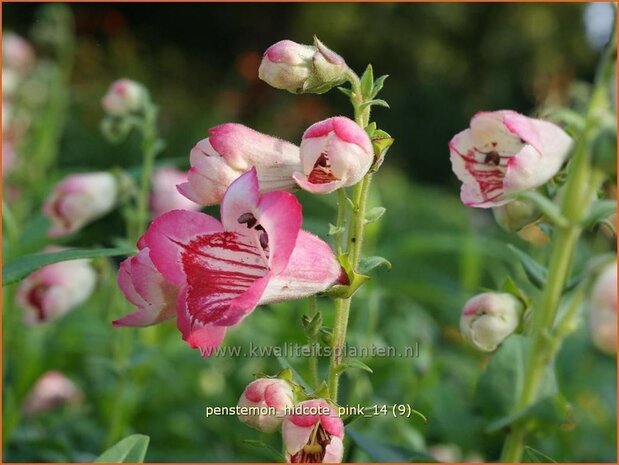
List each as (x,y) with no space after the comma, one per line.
(581,184)
(354,243)
(149,153)
(313,340)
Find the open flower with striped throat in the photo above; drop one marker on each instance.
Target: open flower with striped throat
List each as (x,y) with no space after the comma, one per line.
(256,255)
(504,152)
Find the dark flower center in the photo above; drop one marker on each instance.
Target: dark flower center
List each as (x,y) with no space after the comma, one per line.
(249,220)
(314,451)
(321,173)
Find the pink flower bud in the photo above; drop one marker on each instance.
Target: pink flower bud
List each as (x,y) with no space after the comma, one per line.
(51,390)
(17,53)
(488,318)
(302,68)
(335,153)
(123,97)
(265,394)
(313,433)
(231,150)
(504,152)
(603,310)
(165,196)
(79,199)
(52,291)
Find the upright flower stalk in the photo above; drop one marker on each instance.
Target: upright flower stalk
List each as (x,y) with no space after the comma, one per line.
(581,186)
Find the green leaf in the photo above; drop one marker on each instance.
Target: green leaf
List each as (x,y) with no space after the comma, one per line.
(367,264)
(345,91)
(131,449)
(599,211)
(353,363)
(536,273)
(503,379)
(21,267)
(378,85)
(385,453)
(546,206)
(298,378)
(334,230)
(367,82)
(377,102)
(550,410)
(499,384)
(535,456)
(370,129)
(374,214)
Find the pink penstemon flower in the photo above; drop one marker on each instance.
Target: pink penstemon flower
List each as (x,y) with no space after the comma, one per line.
(231,150)
(335,153)
(314,435)
(603,310)
(266,393)
(505,152)
(53,389)
(256,255)
(54,290)
(164,196)
(79,199)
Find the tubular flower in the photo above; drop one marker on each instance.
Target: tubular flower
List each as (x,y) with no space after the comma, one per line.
(223,270)
(266,393)
(504,152)
(314,434)
(51,291)
(79,199)
(164,196)
(335,153)
(603,310)
(488,318)
(230,151)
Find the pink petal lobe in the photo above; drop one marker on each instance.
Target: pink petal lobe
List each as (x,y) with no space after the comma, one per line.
(167,234)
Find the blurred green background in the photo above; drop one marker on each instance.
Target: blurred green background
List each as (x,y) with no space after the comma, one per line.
(445,61)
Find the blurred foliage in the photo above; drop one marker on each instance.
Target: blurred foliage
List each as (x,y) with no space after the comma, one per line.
(200,62)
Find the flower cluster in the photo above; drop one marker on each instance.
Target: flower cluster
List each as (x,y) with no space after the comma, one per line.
(312,431)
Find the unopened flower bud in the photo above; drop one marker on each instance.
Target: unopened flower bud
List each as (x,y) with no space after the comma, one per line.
(488,318)
(54,290)
(302,68)
(52,390)
(515,215)
(603,310)
(164,196)
(266,394)
(79,199)
(335,153)
(124,97)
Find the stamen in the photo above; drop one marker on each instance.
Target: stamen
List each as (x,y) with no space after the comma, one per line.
(248,219)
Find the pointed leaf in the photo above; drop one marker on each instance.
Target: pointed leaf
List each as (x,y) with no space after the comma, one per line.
(536,273)
(276,455)
(374,214)
(345,91)
(353,363)
(131,449)
(600,211)
(378,85)
(367,264)
(535,456)
(334,230)
(21,267)
(367,82)
(378,102)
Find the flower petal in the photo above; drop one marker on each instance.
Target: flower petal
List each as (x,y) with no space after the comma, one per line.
(220,268)
(167,234)
(201,336)
(312,268)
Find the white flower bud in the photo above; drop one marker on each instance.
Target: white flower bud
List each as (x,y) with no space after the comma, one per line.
(488,318)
